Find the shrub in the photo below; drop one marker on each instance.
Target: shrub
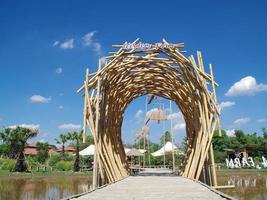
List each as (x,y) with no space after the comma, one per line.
(53,160)
(220,156)
(8,164)
(64,166)
(69,157)
(31,161)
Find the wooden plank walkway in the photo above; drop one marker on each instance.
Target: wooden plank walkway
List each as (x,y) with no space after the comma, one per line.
(156,185)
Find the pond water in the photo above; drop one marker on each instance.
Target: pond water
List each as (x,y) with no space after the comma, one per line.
(248,185)
(47,187)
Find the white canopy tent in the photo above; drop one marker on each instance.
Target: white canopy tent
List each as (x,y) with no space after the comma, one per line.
(129,149)
(90,150)
(167,148)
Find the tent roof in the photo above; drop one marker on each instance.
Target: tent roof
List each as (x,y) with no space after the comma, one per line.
(88,151)
(134,152)
(167,148)
(126,149)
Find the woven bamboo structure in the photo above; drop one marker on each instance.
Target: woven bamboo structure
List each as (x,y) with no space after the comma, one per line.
(161,71)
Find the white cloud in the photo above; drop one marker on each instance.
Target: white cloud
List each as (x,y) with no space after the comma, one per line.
(88,40)
(226,104)
(97,48)
(59,70)
(176,115)
(178,119)
(29,126)
(68,44)
(246,86)
(103,60)
(241,121)
(179,127)
(60,107)
(39,99)
(138,114)
(230,133)
(69,126)
(262,120)
(55,43)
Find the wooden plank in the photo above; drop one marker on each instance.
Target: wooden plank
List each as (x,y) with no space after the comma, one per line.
(156,187)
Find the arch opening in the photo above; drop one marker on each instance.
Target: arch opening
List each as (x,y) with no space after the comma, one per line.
(149,124)
(165,72)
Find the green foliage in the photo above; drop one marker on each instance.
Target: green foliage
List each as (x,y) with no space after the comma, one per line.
(220,156)
(167,138)
(240,140)
(76,137)
(53,160)
(4,150)
(62,139)
(64,165)
(31,161)
(8,164)
(42,151)
(16,139)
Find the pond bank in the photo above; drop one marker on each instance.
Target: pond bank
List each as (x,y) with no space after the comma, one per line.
(55,185)
(7,173)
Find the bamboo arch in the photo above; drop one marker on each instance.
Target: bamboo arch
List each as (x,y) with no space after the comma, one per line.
(161,71)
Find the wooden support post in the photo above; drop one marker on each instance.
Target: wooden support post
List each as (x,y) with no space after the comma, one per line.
(215,98)
(213,167)
(97,115)
(164,139)
(96,138)
(172,137)
(85,107)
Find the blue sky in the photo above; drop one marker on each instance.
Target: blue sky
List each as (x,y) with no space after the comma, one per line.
(45,47)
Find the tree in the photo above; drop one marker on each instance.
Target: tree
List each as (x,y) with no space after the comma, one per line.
(88,141)
(9,138)
(63,138)
(220,142)
(241,137)
(168,138)
(76,137)
(17,139)
(42,151)
(4,150)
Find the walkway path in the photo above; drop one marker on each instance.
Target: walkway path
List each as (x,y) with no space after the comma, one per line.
(154,185)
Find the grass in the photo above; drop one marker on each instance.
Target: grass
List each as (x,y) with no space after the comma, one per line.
(45,173)
(226,170)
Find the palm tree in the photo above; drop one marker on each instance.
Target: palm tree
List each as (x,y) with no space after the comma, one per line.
(23,134)
(16,139)
(62,140)
(77,138)
(9,137)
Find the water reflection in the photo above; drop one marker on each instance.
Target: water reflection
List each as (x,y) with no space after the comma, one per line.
(248,186)
(51,187)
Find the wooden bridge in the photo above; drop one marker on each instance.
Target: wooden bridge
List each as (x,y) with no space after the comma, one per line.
(154,184)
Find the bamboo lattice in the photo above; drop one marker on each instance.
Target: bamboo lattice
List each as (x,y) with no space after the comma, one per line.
(165,72)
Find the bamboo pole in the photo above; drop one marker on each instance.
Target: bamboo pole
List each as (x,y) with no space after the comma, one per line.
(85,107)
(172,137)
